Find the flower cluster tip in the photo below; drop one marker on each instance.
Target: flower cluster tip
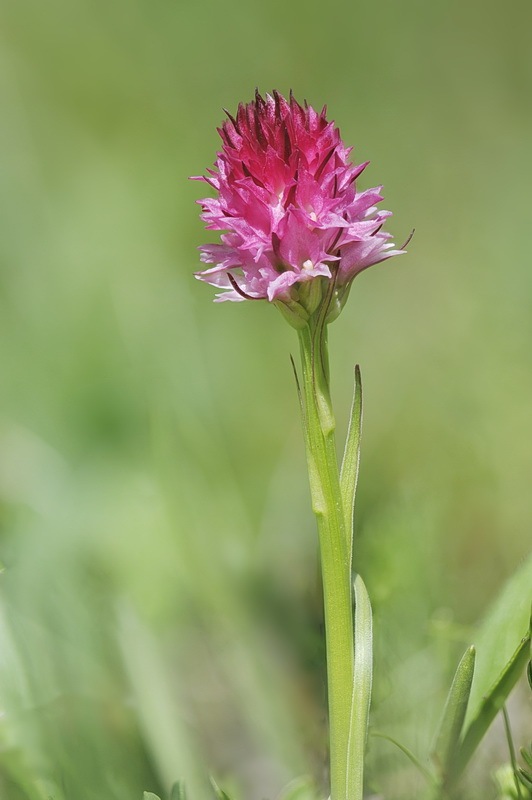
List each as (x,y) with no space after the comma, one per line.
(287,206)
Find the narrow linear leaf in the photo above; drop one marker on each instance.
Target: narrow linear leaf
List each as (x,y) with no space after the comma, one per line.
(178,791)
(351,460)
(362,682)
(220,794)
(503,648)
(150,796)
(302,788)
(409,754)
(525,779)
(526,755)
(492,704)
(511,749)
(448,737)
(14,767)
(153,690)
(500,634)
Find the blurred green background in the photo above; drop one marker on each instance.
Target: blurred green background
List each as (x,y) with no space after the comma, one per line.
(159,616)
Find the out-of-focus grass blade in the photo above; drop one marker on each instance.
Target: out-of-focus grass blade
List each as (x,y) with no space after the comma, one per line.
(491,705)
(503,647)
(158,711)
(178,791)
(220,793)
(427,774)
(524,774)
(448,737)
(527,755)
(15,770)
(525,778)
(302,788)
(351,460)
(362,682)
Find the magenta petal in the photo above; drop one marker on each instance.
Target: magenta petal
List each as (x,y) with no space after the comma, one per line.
(286,203)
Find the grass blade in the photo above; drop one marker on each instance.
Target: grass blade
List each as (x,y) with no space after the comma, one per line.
(448,737)
(427,774)
(503,647)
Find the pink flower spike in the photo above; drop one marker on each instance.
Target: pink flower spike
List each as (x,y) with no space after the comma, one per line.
(287,206)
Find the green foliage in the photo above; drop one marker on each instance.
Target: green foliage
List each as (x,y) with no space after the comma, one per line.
(507,788)
(453,748)
(503,635)
(503,643)
(302,788)
(362,681)
(525,773)
(450,731)
(351,459)
(159,615)
(220,793)
(178,791)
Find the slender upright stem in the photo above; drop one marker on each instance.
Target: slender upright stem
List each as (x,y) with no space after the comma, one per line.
(327,504)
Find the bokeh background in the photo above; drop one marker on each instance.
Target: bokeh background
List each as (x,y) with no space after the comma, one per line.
(160,617)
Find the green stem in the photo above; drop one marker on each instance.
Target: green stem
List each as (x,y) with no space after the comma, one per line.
(511,748)
(327,504)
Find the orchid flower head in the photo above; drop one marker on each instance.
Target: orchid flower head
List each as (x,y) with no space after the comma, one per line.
(293,225)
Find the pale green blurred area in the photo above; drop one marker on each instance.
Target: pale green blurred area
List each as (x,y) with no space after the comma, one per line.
(160,614)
